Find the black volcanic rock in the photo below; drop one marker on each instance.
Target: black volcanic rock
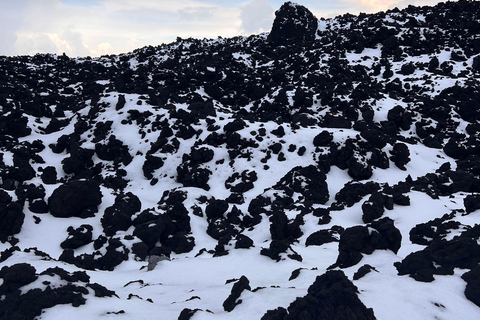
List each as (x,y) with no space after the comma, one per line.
(11,215)
(77,237)
(75,199)
(472,290)
(233,299)
(293,24)
(72,288)
(49,175)
(332,296)
(228,145)
(441,257)
(119,216)
(359,240)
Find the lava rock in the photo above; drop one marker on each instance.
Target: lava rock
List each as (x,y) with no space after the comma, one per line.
(359,239)
(471,203)
(151,164)
(319,238)
(400,155)
(293,23)
(323,139)
(332,296)
(309,181)
(77,237)
(11,215)
(472,290)
(233,299)
(216,209)
(49,175)
(119,216)
(75,199)
(363,271)
(440,257)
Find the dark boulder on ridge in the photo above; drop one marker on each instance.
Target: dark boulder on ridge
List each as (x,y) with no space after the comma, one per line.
(293,23)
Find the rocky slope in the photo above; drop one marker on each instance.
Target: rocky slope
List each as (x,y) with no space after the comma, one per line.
(326,170)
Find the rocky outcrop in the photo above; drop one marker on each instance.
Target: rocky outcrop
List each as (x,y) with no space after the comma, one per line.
(293,24)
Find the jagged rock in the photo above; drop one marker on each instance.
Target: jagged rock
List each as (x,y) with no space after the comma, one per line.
(260,122)
(16,276)
(114,151)
(119,216)
(243,242)
(400,155)
(187,314)
(79,161)
(49,175)
(425,233)
(77,237)
(319,238)
(121,102)
(359,239)
(323,139)
(363,271)
(472,290)
(353,192)
(15,125)
(233,299)
(115,253)
(295,274)
(471,202)
(75,199)
(216,209)
(441,257)
(373,208)
(38,206)
(309,181)
(293,24)
(151,164)
(241,182)
(331,296)
(11,215)
(69,288)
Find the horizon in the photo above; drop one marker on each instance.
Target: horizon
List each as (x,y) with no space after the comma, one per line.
(100,27)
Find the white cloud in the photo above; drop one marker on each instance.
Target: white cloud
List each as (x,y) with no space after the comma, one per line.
(197,13)
(257,16)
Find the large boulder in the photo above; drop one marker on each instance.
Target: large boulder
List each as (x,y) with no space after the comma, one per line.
(293,23)
(75,199)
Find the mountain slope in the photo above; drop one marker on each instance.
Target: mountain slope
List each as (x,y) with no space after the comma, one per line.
(327,169)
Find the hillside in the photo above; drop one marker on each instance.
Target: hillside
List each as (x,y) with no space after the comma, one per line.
(327,169)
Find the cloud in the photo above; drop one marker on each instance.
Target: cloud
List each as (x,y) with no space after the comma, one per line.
(11,13)
(70,42)
(96,27)
(33,43)
(256,16)
(197,13)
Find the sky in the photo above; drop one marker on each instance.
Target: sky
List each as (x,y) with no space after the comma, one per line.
(98,27)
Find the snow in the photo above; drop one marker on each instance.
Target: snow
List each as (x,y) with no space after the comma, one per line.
(198,279)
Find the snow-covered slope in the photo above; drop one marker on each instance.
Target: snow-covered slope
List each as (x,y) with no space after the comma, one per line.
(326,170)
